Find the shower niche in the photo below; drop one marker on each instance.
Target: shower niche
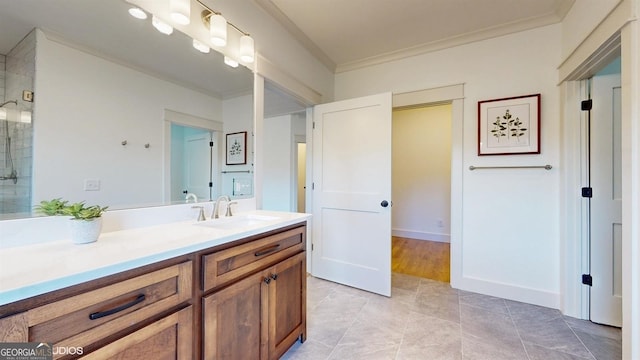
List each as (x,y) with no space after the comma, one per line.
(17,70)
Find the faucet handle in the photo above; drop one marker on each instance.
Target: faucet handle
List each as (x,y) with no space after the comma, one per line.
(201,216)
(229,213)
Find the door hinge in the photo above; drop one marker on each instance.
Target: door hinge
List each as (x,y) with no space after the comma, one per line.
(586,105)
(311,247)
(587,279)
(313,186)
(313,125)
(210,184)
(210,143)
(587,192)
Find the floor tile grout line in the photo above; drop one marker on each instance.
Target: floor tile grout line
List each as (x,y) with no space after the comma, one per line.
(579,339)
(460,325)
(406,323)
(355,317)
(526,352)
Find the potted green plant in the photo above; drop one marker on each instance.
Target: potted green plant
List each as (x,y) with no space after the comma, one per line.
(51,207)
(86,221)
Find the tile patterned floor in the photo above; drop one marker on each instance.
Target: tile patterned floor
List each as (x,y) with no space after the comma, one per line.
(426,319)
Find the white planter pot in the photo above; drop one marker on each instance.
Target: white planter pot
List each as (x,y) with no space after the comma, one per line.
(85,231)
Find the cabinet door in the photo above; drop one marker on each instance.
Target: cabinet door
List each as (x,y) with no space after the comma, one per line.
(232,321)
(167,338)
(287,304)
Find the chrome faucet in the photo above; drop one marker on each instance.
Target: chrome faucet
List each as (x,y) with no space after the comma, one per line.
(191,196)
(216,206)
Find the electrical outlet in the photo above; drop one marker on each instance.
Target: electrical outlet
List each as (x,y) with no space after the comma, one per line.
(440,223)
(91,185)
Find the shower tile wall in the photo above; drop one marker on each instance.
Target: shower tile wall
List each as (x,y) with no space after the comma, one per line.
(18,76)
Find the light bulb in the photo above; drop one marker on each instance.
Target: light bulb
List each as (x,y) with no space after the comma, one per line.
(161,26)
(201,47)
(246,49)
(3,114)
(180,11)
(137,13)
(229,61)
(218,30)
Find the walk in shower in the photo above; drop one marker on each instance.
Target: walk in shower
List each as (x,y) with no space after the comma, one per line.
(17,70)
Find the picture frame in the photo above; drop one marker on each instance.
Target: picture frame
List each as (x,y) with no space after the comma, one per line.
(236,148)
(509,126)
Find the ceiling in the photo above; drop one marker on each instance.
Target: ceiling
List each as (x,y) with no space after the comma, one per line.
(347,34)
(344,34)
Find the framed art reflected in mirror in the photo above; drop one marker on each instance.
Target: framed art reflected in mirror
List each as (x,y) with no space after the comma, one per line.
(237,148)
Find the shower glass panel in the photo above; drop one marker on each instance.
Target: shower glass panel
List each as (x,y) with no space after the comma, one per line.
(16,130)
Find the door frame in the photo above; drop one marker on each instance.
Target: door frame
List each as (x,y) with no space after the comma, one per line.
(454,95)
(178,118)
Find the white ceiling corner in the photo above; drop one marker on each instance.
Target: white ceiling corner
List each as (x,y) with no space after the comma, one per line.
(349,34)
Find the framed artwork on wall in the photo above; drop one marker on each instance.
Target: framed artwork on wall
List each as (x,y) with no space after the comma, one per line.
(509,126)
(237,148)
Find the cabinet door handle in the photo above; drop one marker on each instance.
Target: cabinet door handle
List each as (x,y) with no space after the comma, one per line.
(268,250)
(267,280)
(99,314)
(274,276)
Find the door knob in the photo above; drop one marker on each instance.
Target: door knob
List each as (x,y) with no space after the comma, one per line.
(384,203)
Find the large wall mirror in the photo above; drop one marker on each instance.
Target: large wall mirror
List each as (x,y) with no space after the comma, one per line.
(285,139)
(106,107)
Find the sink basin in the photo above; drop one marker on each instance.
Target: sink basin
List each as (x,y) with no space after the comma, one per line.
(238,221)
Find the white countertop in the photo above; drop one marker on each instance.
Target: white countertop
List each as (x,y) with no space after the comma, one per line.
(31,270)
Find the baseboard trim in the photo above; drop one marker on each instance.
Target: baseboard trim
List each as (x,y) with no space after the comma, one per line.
(420,235)
(510,292)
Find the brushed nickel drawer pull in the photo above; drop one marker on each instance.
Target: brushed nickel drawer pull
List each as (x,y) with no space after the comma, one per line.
(99,314)
(268,250)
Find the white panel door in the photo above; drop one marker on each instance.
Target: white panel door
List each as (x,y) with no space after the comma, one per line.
(352,193)
(198,165)
(606,203)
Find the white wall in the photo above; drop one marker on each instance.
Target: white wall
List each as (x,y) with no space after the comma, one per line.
(86,106)
(583,17)
(510,237)
(274,43)
(421,176)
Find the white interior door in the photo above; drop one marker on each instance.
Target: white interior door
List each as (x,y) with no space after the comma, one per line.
(606,203)
(198,165)
(352,193)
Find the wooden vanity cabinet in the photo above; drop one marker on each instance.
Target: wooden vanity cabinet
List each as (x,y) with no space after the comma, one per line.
(241,300)
(145,311)
(258,317)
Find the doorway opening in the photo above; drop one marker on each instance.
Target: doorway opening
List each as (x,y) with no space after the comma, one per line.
(193,159)
(421,177)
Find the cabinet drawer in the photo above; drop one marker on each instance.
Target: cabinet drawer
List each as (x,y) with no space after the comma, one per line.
(168,338)
(90,317)
(224,266)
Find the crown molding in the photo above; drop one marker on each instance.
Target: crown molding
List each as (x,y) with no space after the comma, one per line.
(486,34)
(295,31)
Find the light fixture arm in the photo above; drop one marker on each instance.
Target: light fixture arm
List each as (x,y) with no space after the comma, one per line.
(208,12)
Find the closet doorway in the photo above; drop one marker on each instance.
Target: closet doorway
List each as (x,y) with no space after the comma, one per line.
(421,220)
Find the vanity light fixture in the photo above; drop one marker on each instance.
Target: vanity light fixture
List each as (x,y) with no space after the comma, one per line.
(218,29)
(161,26)
(246,48)
(229,61)
(137,13)
(203,48)
(180,11)
(217,24)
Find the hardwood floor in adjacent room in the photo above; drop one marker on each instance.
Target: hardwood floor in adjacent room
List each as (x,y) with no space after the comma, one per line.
(427,259)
